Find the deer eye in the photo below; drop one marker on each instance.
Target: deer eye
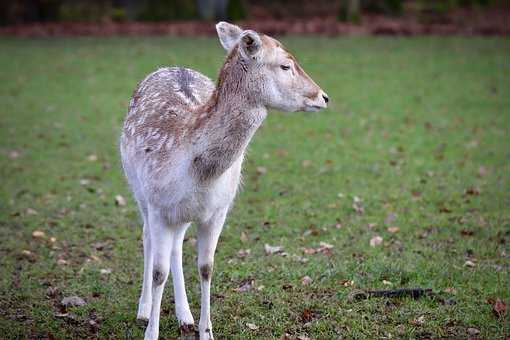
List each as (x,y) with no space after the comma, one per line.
(285,67)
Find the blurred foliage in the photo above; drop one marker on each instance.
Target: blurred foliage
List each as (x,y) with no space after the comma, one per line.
(164,10)
(22,11)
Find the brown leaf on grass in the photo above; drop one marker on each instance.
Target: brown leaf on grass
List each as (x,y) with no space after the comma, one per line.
(499,308)
(244,237)
(306,280)
(473,331)
(38,234)
(30,211)
(419,321)
(445,210)
(92,157)
(270,250)
(27,254)
(261,170)
(357,205)
(375,241)
(242,253)
(393,230)
(346,283)
(323,247)
(245,285)
(13,154)
(466,232)
(306,163)
(120,201)
(252,326)
(450,290)
(469,263)
(472,191)
(73,301)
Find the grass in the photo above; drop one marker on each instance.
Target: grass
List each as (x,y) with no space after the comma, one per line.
(418,131)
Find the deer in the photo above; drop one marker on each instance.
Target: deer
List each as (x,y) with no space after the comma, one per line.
(182,147)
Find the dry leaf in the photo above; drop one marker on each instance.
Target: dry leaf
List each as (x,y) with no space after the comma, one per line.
(242,253)
(13,154)
(244,237)
(92,157)
(393,230)
(106,271)
(73,301)
(306,163)
(450,290)
(499,308)
(419,321)
(261,170)
(120,201)
(245,286)
(306,280)
(473,331)
(252,326)
(272,249)
(469,263)
(388,283)
(376,240)
(31,211)
(38,234)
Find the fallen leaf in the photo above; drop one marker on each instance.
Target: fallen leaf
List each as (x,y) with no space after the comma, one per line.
(419,321)
(357,205)
(245,285)
(73,301)
(346,283)
(473,331)
(105,271)
(252,326)
(499,308)
(469,263)
(38,234)
(482,171)
(261,170)
(306,280)
(306,163)
(393,230)
(13,154)
(242,253)
(472,191)
(376,240)
(92,157)
(120,201)
(450,290)
(31,211)
(244,237)
(270,250)
(303,337)
(388,283)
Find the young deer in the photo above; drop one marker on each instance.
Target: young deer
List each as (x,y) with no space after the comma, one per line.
(182,146)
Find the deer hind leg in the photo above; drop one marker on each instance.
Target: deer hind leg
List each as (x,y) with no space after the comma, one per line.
(207,239)
(182,310)
(161,236)
(145,302)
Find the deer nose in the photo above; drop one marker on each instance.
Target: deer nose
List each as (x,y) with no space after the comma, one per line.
(326,98)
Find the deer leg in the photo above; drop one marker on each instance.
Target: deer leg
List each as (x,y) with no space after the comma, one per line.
(145,303)
(182,310)
(161,235)
(207,239)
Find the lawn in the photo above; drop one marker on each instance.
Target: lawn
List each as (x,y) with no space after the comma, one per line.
(415,149)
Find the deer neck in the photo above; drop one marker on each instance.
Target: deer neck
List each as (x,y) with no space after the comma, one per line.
(232,115)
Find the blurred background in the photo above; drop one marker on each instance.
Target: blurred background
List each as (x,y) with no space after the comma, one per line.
(282,16)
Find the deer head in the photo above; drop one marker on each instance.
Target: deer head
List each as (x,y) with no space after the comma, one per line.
(271,72)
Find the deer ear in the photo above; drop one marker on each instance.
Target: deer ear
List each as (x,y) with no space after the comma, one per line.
(229,34)
(250,43)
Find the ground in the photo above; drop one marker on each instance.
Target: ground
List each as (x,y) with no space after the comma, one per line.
(414,149)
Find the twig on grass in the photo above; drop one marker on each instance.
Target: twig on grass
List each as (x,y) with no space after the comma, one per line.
(415,293)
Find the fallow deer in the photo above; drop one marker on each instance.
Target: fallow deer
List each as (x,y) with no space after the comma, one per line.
(182,147)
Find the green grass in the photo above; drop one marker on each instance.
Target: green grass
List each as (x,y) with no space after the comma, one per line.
(413,124)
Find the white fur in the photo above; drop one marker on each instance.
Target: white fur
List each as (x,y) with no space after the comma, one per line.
(173,185)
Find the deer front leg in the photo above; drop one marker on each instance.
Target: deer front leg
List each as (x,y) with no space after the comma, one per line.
(207,239)
(182,310)
(161,246)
